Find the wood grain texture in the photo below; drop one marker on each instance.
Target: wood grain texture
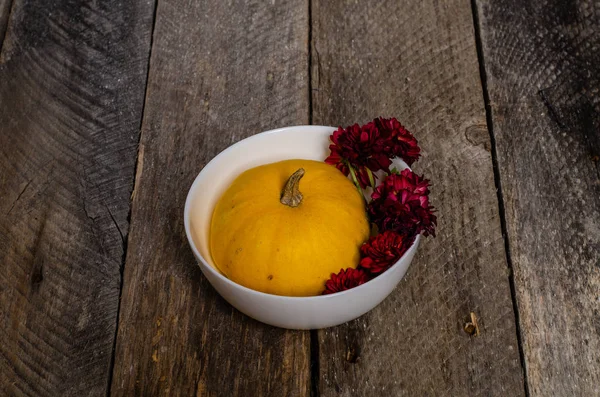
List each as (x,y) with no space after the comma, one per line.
(542,62)
(417,60)
(219,73)
(72,77)
(5,6)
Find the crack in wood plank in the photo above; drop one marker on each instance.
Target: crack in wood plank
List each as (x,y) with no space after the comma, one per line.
(19,196)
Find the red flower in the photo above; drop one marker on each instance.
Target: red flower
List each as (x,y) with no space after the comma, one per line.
(359,151)
(384,250)
(401,203)
(399,142)
(344,280)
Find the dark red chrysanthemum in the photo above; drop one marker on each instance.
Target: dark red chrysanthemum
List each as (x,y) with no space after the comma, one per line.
(383,250)
(401,203)
(359,151)
(398,141)
(344,280)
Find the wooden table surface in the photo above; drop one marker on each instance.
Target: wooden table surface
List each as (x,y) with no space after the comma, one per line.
(109,109)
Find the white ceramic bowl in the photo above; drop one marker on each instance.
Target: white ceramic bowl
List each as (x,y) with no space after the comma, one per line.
(303,142)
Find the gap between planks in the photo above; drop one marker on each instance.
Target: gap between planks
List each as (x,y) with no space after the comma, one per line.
(136,172)
(498,184)
(314,334)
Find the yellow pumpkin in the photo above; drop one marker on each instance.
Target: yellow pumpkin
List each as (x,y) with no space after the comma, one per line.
(283,228)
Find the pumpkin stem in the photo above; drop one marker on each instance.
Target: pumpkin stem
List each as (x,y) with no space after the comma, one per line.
(290,195)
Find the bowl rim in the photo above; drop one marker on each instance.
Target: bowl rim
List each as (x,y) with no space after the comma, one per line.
(187,223)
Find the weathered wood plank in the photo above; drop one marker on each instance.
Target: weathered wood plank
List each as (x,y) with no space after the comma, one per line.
(219,73)
(542,63)
(72,78)
(417,60)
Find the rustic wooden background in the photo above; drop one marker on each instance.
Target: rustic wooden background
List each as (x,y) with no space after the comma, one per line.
(108,111)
